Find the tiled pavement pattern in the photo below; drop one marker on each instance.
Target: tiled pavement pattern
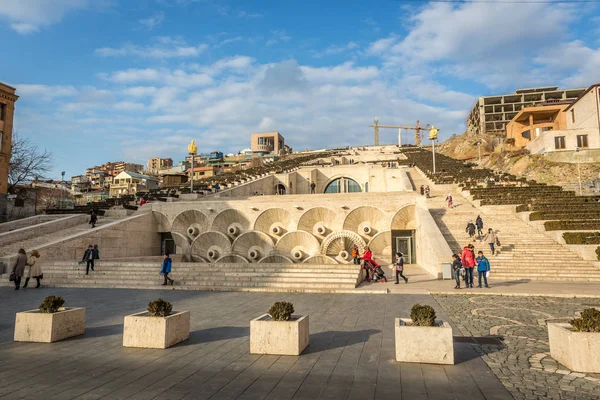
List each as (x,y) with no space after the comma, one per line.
(524,364)
(351,352)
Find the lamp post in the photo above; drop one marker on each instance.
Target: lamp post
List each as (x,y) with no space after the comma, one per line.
(62,174)
(578,169)
(433,135)
(479,146)
(192,150)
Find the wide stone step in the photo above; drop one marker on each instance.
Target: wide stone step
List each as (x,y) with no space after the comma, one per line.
(226,277)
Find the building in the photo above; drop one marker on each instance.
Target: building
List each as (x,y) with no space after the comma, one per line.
(128,182)
(171,180)
(156,164)
(205,172)
(581,131)
(531,122)
(7,111)
(114,168)
(80,183)
(267,143)
(491,114)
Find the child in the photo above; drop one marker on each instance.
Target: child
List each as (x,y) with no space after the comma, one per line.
(456,267)
(400,268)
(166,270)
(483,266)
(449,200)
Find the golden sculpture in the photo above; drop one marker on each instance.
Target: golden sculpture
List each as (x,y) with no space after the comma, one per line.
(433,133)
(192,148)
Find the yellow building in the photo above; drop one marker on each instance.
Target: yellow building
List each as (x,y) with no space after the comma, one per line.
(531,122)
(131,183)
(204,172)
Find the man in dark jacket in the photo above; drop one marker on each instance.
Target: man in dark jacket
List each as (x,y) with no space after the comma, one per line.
(88,257)
(479,225)
(96,252)
(19,268)
(470,229)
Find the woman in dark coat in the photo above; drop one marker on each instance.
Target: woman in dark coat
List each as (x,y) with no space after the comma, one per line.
(19,268)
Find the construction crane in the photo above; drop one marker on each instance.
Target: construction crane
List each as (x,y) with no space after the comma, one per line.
(417,129)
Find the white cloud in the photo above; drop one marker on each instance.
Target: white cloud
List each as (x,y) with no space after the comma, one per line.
(278,35)
(339,73)
(129,106)
(164,48)
(27,16)
(153,21)
(44,92)
(140,91)
(235,63)
(165,76)
(336,49)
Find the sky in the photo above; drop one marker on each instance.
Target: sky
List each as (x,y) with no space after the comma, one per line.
(108,80)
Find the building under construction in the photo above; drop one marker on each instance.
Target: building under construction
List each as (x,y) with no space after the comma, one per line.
(491,114)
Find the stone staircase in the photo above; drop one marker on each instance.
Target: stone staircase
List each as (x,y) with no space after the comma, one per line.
(525,254)
(34,242)
(202,276)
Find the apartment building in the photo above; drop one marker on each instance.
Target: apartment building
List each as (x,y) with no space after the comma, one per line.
(156,164)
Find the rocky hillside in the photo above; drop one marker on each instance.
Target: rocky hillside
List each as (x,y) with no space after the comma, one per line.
(536,167)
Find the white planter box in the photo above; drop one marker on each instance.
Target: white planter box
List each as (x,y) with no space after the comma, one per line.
(287,338)
(424,344)
(36,326)
(142,330)
(577,351)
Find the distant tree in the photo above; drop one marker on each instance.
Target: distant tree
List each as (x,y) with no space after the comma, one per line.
(27,162)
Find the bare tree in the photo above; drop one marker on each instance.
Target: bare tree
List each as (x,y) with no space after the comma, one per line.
(26,162)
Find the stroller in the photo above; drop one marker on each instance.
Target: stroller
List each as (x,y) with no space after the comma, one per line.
(375,272)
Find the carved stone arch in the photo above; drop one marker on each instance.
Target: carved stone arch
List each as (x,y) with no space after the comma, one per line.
(404,219)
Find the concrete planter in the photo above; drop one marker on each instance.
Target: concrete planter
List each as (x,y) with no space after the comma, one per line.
(36,326)
(577,351)
(142,330)
(424,344)
(288,338)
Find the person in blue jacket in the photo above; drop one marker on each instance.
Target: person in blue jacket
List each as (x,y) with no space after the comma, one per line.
(166,269)
(483,266)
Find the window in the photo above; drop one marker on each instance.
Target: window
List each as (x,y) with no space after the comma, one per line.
(572,116)
(582,141)
(559,142)
(526,135)
(346,186)
(2,112)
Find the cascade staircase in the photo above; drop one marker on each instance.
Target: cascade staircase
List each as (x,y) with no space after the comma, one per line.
(202,276)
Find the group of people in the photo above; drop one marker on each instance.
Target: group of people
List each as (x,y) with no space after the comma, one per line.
(425,191)
(373,271)
(20,266)
(89,256)
(464,265)
(491,238)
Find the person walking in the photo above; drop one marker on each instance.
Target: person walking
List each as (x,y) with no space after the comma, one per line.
(468,262)
(422,190)
(355,255)
(483,267)
(427,192)
(312,187)
(470,229)
(449,200)
(93,219)
(18,269)
(456,267)
(96,252)
(88,258)
(217,187)
(491,239)
(166,270)
(479,225)
(35,269)
(399,266)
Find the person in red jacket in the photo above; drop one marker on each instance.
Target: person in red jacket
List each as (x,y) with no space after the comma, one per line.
(468,262)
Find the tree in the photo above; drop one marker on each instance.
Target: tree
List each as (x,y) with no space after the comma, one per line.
(26,162)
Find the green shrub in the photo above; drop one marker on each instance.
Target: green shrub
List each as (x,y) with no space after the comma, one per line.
(422,315)
(159,308)
(571,225)
(51,304)
(281,311)
(588,322)
(582,237)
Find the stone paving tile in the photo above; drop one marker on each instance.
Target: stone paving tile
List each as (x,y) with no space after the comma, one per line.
(351,354)
(523,364)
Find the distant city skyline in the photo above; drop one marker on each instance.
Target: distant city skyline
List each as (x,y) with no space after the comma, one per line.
(130,80)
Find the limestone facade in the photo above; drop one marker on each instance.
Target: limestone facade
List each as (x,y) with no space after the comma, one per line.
(7,111)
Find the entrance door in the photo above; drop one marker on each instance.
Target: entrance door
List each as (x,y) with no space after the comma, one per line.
(404,246)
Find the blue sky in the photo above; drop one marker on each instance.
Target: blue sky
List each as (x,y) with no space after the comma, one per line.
(104,80)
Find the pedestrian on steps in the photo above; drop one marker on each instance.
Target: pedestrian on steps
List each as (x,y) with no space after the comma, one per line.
(449,200)
(88,258)
(468,262)
(483,268)
(35,269)
(427,192)
(166,270)
(96,252)
(492,239)
(18,269)
(479,225)
(93,219)
(470,229)
(422,190)
(456,267)
(399,266)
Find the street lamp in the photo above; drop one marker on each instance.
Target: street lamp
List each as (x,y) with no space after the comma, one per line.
(578,169)
(62,174)
(479,145)
(433,135)
(192,150)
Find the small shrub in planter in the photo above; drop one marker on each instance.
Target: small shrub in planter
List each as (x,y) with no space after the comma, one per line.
(281,311)
(422,315)
(588,322)
(159,308)
(51,304)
